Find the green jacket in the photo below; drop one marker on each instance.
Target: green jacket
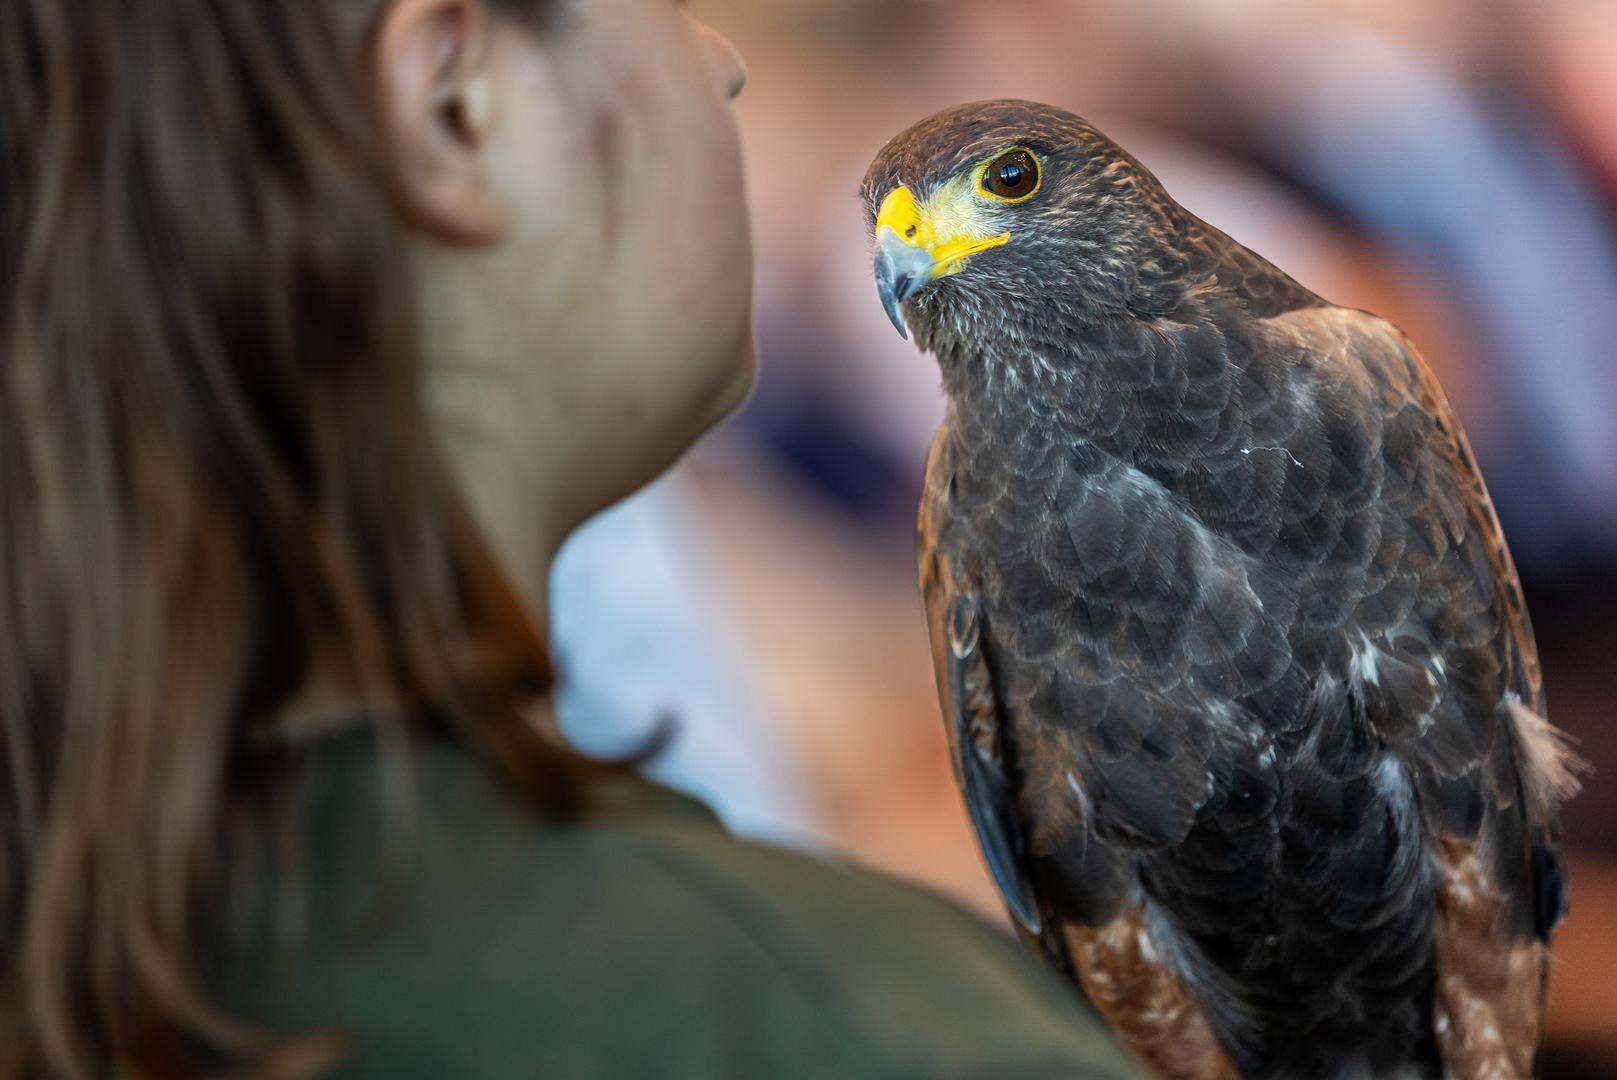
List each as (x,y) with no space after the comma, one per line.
(641,942)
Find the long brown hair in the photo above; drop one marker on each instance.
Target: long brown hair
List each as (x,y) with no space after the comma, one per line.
(215,474)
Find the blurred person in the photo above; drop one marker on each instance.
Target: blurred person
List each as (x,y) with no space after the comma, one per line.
(321,326)
(1573,39)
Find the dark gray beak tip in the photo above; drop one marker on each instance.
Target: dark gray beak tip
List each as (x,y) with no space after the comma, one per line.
(892,287)
(901,271)
(895,311)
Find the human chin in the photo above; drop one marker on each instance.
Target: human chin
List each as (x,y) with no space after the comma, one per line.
(736,379)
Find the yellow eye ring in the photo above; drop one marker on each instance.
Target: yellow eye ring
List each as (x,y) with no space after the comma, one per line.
(1013,176)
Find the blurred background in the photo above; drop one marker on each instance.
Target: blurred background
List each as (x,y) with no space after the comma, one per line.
(1449,164)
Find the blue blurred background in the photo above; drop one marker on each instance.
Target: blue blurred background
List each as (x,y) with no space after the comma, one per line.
(1450,164)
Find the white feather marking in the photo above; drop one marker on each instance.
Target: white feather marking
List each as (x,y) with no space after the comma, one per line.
(1364,663)
(1078,792)
(1249,451)
(1549,764)
(1148,947)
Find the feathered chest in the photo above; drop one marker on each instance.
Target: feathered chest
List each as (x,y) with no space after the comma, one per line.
(1096,559)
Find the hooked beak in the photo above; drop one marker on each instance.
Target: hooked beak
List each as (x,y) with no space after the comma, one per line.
(902,270)
(912,251)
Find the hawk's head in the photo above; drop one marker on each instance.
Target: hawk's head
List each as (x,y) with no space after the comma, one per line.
(1006,216)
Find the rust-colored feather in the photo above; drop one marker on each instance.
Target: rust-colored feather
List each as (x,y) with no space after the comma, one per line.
(1489,1009)
(1125,976)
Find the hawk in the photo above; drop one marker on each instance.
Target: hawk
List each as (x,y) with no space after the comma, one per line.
(1240,687)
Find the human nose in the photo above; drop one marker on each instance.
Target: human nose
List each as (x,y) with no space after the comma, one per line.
(725,60)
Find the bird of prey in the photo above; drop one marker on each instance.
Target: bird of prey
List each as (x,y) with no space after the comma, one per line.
(1240,688)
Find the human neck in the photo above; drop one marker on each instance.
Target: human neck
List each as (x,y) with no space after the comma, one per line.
(501,441)
(519,526)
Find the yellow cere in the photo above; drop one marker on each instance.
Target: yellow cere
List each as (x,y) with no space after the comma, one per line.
(954,225)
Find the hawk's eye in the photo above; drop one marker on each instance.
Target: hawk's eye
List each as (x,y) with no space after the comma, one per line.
(1012,176)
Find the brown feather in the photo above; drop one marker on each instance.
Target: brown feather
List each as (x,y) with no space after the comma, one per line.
(1489,1010)
(1127,979)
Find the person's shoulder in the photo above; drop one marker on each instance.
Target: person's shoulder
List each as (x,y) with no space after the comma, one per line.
(928,987)
(643,940)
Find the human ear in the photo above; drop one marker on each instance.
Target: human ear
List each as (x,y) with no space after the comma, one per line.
(435,94)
